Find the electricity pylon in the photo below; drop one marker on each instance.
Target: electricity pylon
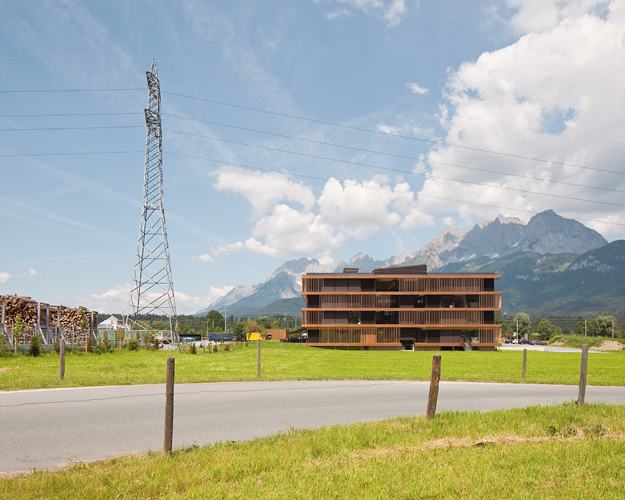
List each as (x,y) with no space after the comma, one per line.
(152,290)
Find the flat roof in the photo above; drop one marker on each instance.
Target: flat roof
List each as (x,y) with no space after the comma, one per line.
(414,270)
(371,275)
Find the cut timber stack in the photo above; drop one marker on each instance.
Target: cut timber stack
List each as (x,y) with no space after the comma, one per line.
(73,322)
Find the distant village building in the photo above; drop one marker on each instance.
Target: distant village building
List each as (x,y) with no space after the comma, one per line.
(401,307)
(112,324)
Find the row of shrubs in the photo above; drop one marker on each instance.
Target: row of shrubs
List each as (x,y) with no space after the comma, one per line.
(36,347)
(210,348)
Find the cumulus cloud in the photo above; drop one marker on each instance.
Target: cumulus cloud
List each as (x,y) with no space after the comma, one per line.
(535,16)
(263,189)
(344,210)
(551,95)
(5,277)
(416,89)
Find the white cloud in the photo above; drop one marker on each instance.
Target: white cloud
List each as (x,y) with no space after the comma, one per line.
(555,90)
(227,249)
(5,277)
(416,89)
(392,11)
(344,210)
(115,300)
(387,129)
(338,13)
(263,189)
(358,209)
(32,272)
(202,258)
(535,16)
(448,221)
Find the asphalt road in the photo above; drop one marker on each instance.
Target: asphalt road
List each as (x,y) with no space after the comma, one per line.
(39,428)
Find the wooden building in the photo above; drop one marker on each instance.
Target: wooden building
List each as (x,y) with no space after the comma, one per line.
(401,306)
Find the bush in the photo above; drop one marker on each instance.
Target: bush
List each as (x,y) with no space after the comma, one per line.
(4,347)
(35,348)
(192,348)
(89,347)
(133,345)
(226,347)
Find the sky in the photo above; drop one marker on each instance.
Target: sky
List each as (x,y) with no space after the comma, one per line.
(315,128)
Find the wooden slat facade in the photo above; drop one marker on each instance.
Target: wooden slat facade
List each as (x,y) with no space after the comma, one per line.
(388,310)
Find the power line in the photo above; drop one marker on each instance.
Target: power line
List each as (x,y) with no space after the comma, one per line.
(71,154)
(403,106)
(66,128)
(72,114)
(360,129)
(43,91)
(431,112)
(379,188)
(318,157)
(312,141)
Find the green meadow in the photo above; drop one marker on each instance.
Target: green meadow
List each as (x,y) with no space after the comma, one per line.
(296,362)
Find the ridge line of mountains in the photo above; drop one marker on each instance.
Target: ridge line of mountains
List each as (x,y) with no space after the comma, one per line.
(551,265)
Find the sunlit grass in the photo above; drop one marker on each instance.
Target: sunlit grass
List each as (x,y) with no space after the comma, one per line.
(296,362)
(539,452)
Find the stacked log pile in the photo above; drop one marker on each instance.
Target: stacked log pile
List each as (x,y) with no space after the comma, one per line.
(75,321)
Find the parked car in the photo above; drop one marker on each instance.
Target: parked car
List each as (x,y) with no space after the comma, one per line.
(515,341)
(524,341)
(538,342)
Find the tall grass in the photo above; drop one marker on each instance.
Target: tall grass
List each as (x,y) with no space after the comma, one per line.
(539,452)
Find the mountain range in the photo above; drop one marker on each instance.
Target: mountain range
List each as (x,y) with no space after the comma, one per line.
(550,264)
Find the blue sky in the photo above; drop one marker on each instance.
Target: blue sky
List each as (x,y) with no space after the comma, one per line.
(509,107)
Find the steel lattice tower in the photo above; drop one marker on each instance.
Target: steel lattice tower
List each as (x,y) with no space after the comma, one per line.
(152,288)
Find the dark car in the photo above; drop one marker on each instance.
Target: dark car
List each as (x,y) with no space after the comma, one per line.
(524,341)
(538,342)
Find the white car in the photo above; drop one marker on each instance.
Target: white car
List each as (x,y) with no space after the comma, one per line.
(515,341)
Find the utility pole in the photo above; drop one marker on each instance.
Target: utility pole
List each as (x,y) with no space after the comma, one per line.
(152,289)
(612,327)
(585,325)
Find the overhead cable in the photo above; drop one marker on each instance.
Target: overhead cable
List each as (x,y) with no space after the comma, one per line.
(362,150)
(318,157)
(379,132)
(395,191)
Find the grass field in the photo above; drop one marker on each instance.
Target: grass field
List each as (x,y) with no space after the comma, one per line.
(539,452)
(296,362)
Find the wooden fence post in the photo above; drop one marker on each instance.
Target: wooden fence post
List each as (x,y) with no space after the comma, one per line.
(524,362)
(433,396)
(258,360)
(61,359)
(169,406)
(582,376)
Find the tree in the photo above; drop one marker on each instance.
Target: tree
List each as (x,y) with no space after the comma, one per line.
(275,325)
(240,329)
(18,329)
(215,321)
(546,330)
(525,324)
(604,326)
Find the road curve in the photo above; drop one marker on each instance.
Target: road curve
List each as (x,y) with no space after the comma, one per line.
(39,428)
